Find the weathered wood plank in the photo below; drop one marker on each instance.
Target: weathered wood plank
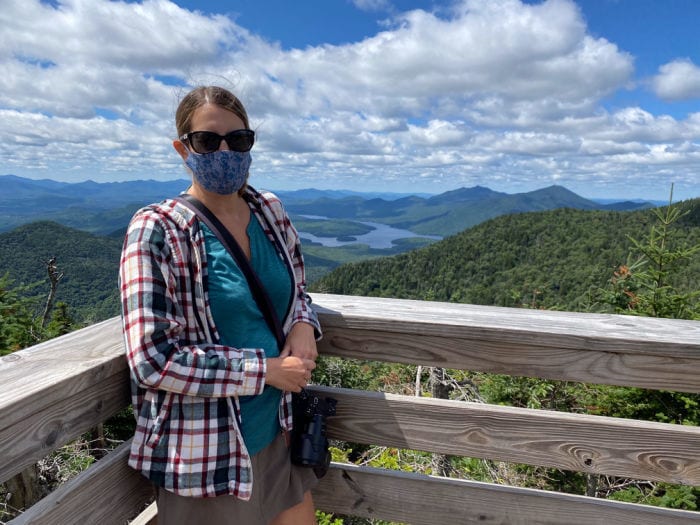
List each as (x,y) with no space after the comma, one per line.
(593,444)
(607,349)
(58,367)
(577,330)
(427,500)
(109,492)
(32,438)
(57,390)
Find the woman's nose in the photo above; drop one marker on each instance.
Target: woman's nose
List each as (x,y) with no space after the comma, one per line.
(223,145)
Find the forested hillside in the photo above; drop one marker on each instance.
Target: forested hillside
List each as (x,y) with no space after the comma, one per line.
(89,264)
(550,259)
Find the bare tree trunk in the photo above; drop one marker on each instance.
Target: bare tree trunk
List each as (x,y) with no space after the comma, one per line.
(98,442)
(419,373)
(23,488)
(440,389)
(54,277)
(592,484)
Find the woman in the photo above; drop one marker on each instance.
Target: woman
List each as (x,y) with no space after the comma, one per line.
(211,389)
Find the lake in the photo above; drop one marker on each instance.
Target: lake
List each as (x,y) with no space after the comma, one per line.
(380,238)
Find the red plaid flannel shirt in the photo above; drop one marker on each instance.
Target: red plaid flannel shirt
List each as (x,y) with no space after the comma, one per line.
(185,386)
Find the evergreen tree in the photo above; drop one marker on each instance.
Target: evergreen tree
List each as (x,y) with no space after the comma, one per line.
(646,286)
(15,319)
(61,321)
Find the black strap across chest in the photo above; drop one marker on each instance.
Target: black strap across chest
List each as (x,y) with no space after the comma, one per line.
(262,298)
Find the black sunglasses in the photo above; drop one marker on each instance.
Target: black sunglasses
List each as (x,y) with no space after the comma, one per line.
(208,141)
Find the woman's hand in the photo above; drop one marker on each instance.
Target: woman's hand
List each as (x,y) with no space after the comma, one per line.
(288,372)
(301,342)
(292,369)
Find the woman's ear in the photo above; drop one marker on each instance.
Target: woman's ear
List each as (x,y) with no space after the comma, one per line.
(181,149)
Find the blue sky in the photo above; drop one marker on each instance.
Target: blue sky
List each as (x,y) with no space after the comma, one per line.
(600,96)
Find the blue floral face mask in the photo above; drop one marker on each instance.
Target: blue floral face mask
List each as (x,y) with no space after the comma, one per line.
(223,171)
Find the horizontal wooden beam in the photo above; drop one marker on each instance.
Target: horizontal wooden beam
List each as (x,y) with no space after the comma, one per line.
(427,500)
(593,444)
(55,391)
(107,492)
(594,348)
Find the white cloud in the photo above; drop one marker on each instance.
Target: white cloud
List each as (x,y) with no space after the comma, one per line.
(86,54)
(499,48)
(493,91)
(678,80)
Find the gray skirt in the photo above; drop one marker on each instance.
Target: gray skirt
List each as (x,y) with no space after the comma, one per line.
(277,486)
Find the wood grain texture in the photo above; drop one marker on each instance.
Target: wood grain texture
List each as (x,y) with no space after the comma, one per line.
(595,348)
(108,493)
(55,391)
(425,500)
(592,444)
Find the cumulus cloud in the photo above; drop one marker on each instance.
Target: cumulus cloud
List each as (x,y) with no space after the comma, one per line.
(500,48)
(489,91)
(84,54)
(678,80)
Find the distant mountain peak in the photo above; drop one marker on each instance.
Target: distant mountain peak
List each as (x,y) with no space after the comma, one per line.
(465,195)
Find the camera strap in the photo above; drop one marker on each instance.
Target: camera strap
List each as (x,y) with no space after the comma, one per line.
(265,304)
(262,299)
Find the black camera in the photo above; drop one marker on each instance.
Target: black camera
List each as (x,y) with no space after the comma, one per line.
(309,442)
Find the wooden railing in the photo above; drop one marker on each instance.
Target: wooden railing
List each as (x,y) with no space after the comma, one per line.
(54,392)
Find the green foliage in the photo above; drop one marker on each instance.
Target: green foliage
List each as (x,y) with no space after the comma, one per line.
(61,321)
(680,497)
(363,375)
(531,392)
(323,518)
(551,259)
(19,325)
(90,265)
(330,227)
(15,319)
(648,405)
(120,426)
(649,286)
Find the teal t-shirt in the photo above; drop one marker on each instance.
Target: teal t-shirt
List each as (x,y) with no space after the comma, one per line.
(241,324)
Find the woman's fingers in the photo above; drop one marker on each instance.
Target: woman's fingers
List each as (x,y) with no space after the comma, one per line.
(289,373)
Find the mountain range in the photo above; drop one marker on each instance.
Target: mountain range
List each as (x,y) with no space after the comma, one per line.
(105,208)
(450,212)
(87,221)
